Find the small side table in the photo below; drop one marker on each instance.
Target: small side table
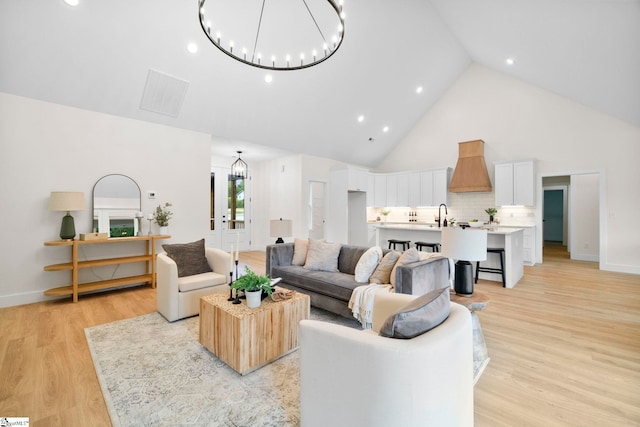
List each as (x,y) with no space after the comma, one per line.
(476,302)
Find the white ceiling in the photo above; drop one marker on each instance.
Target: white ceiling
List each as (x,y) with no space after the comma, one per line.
(98,54)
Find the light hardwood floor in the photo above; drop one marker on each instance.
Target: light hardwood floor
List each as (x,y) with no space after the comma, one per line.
(564,347)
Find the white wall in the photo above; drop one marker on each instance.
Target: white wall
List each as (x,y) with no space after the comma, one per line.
(281,190)
(585,219)
(47,147)
(519,121)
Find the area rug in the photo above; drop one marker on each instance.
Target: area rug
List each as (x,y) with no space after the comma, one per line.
(156,373)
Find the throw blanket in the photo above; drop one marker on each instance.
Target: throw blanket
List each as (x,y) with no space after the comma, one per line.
(361,302)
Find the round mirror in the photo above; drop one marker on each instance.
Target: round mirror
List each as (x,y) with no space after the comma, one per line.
(116,205)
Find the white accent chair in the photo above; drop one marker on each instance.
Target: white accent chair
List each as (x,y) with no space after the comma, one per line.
(350,377)
(179,297)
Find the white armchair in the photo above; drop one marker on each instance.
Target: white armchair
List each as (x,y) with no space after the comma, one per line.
(179,297)
(350,377)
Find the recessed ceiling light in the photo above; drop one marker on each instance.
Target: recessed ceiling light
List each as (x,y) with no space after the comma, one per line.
(385,129)
(192,48)
(419,89)
(268,78)
(360,118)
(71,2)
(510,61)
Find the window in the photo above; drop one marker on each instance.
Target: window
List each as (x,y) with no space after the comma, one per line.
(236,203)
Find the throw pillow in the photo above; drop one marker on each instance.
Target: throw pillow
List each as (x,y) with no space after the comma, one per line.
(300,249)
(407,257)
(322,256)
(189,257)
(367,264)
(418,316)
(382,273)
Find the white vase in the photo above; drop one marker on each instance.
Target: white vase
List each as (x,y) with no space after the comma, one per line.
(254,298)
(163,230)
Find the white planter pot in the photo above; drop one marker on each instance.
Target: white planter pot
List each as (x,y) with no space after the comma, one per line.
(163,230)
(254,299)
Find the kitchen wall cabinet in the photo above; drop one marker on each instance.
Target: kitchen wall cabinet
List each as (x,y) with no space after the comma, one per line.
(380,191)
(515,183)
(392,190)
(402,190)
(413,187)
(434,187)
(357,180)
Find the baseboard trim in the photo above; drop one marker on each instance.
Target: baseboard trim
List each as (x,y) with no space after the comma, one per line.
(24,298)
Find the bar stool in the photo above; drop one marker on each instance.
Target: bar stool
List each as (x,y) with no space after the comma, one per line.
(493,270)
(404,243)
(435,247)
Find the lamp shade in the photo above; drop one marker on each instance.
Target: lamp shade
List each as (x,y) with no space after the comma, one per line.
(66,201)
(280,227)
(461,244)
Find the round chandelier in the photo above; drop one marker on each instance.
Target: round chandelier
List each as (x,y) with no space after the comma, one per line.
(274,34)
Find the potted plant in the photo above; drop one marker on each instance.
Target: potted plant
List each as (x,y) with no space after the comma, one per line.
(162,216)
(384,213)
(491,212)
(253,286)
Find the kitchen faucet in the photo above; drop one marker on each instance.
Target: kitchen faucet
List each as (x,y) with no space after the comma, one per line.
(440,213)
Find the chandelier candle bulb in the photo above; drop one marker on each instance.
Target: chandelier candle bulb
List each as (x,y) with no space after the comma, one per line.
(324,19)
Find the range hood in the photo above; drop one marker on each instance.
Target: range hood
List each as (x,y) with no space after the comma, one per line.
(471,173)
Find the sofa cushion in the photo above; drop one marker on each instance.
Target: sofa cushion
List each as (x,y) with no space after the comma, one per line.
(189,257)
(335,285)
(382,273)
(200,281)
(300,249)
(322,256)
(418,316)
(407,257)
(367,264)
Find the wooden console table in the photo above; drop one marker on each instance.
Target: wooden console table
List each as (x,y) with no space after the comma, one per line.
(75,288)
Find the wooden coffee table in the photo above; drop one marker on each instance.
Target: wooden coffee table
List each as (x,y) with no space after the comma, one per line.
(248,338)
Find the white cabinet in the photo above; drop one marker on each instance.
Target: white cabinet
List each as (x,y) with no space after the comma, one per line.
(357,180)
(402,190)
(440,186)
(371,185)
(434,187)
(514,183)
(413,187)
(426,188)
(392,190)
(380,191)
(528,244)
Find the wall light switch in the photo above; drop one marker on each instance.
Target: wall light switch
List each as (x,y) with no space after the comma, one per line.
(151,194)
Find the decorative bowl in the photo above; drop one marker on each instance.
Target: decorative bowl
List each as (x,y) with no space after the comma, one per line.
(475,224)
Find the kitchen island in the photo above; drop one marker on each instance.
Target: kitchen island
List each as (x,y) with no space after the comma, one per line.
(511,239)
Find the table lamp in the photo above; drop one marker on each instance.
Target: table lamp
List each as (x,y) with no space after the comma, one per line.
(464,246)
(67,201)
(280,228)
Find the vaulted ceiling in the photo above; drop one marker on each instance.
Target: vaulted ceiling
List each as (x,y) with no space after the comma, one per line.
(98,55)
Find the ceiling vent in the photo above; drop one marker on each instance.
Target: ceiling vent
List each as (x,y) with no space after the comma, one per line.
(163,93)
(471,173)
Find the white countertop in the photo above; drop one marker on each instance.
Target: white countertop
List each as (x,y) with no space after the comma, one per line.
(435,228)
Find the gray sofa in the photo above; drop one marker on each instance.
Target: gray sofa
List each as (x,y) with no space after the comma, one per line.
(332,291)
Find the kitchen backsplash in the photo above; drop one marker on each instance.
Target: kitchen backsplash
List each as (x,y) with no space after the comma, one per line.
(462,207)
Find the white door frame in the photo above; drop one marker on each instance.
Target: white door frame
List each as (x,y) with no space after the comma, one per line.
(222,237)
(602,212)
